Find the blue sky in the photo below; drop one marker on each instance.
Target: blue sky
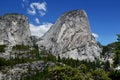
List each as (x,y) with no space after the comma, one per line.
(104,15)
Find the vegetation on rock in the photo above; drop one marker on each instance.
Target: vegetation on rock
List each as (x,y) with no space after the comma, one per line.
(2,48)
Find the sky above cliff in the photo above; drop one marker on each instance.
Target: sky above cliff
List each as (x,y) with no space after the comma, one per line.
(104,15)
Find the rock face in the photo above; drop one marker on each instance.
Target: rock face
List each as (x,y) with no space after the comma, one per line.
(25,69)
(14,29)
(71,37)
(34,39)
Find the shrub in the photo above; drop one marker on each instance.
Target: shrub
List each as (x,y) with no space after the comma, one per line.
(20,47)
(2,48)
(65,73)
(100,74)
(114,75)
(43,75)
(3,62)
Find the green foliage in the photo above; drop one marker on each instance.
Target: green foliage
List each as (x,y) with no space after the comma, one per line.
(113,48)
(110,48)
(3,62)
(34,52)
(68,73)
(43,75)
(114,75)
(65,73)
(44,52)
(76,63)
(11,62)
(105,49)
(100,74)
(83,68)
(20,47)
(71,62)
(19,61)
(2,48)
(117,52)
(117,55)
(59,59)
(118,37)
(106,66)
(44,55)
(117,46)
(117,58)
(48,57)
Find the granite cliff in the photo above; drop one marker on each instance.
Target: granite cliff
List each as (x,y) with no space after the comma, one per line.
(71,37)
(14,29)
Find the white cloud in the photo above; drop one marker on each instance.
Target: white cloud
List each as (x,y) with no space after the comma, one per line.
(40,30)
(31,12)
(37,8)
(41,13)
(95,35)
(25,3)
(37,20)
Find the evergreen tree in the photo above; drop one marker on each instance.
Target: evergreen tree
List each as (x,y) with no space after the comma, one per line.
(117,52)
(118,37)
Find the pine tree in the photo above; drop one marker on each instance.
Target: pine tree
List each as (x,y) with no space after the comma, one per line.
(118,37)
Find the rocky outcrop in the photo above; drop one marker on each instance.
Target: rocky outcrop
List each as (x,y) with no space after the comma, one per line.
(108,53)
(71,37)
(14,29)
(23,70)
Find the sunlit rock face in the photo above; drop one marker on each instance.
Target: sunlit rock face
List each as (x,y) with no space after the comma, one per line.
(14,29)
(70,37)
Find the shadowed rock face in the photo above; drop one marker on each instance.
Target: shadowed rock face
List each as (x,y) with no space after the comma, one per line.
(14,29)
(71,37)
